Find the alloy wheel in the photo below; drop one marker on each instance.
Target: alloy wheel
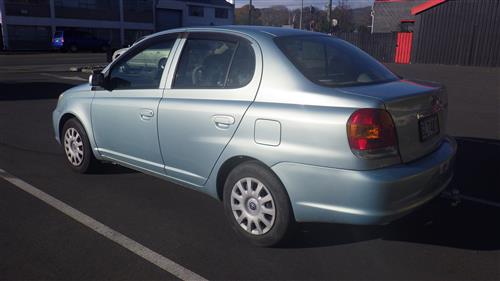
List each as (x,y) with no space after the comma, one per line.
(73,146)
(253,206)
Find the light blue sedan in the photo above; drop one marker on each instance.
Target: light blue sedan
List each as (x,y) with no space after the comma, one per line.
(282,125)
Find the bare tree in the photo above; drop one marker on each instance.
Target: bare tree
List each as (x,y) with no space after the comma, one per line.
(241,15)
(275,15)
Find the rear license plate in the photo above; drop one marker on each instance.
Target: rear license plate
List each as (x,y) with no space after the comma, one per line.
(428,127)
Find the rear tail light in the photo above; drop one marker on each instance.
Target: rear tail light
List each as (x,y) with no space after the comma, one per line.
(372,134)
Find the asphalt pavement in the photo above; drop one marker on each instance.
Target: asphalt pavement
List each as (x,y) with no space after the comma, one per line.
(455,238)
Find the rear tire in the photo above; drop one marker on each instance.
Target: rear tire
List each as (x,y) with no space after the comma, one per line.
(257,205)
(77,148)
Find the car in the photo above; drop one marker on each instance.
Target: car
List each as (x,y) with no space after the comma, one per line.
(75,40)
(283,126)
(119,52)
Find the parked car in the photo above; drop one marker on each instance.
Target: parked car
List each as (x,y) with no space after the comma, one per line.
(281,125)
(119,52)
(75,40)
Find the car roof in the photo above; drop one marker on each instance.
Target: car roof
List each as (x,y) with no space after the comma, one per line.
(252,31)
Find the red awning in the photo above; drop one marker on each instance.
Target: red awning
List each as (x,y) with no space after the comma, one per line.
(425,6)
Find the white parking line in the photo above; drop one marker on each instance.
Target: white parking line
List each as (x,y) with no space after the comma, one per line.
(115,236)
(479,200)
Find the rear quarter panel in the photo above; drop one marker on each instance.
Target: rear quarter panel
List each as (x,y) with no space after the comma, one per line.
(312,121)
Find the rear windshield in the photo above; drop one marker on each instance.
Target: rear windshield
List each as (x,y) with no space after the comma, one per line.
(58,34)
(333,62)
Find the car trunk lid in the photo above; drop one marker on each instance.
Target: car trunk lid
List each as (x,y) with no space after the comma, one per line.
(419,111)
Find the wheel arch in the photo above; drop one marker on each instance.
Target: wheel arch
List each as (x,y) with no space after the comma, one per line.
(232,163)
(90,134)
(64,118)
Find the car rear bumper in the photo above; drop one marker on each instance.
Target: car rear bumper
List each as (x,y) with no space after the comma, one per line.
(320,194)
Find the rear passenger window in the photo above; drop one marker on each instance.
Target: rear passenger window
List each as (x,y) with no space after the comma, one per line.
(242,68)
(204,64)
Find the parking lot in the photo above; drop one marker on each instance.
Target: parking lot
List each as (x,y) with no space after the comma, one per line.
(450,238)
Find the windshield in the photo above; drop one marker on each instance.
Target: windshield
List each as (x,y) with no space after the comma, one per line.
(332,62)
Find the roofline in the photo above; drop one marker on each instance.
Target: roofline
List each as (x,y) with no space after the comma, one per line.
(426,6)
(388,1)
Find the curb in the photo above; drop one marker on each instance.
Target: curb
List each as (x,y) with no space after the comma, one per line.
(87,69)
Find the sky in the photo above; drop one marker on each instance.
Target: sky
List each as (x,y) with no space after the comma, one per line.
(293,4)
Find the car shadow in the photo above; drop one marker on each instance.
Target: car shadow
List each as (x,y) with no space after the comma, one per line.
(466,220)
(32,90)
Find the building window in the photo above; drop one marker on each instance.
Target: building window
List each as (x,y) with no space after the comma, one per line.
(221,13)
(29,37)
(196,11)
(138,10)
(87,9)
(27,8)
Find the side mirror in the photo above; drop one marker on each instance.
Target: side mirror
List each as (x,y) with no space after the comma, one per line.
(96,80)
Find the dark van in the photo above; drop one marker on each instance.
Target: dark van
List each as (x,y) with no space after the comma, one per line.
(75,40)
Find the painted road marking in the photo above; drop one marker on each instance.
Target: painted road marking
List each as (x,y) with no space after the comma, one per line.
(115,236)
(479,200)
(64,77)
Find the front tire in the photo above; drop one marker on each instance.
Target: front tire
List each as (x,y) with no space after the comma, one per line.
(77,148)
(257,205)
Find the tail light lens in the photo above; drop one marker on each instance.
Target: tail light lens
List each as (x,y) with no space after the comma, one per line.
(372,134)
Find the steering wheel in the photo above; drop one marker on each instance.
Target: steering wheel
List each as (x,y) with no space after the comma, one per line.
(161,64)
(197,74)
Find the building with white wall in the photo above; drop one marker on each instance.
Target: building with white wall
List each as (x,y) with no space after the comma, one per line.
(171,14)
(30,24)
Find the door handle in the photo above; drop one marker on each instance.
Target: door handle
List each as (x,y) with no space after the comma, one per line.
(223,121)
(147,114)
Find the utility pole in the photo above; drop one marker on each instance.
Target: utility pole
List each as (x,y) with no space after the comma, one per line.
(329,12)
(250,13)
(301,10)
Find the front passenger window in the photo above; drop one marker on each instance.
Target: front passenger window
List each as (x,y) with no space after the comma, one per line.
(143,70)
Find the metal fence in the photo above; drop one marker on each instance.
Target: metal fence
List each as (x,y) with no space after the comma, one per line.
(381,46)
(462,32)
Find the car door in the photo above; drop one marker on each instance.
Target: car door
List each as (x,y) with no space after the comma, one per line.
(216,79)
(124,115)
